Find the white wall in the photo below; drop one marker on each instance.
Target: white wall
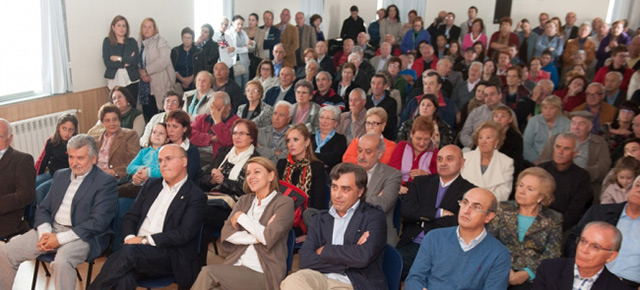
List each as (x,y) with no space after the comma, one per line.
(88,24)
(88,21)
(336,10)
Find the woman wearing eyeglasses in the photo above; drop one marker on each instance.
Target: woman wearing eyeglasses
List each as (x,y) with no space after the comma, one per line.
(375,122)
(329,145)
(256,111)
(227,177)
(527,227)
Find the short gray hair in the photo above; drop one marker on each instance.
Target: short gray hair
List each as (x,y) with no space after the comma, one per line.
(569,136)
(548,83)
(81,140)
(336,112)
(617,73)
(324,73)
(617,235)
(599,85)
(354,55)
(286,104)
(475,62)
(381,147)
(357,49)
(9,128)
(226,99)
(360,91)
(311,62)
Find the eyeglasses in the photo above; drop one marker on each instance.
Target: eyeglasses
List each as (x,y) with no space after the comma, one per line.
(172,102)
(325,118)
(449,17)
(168,159)
(475,207)
(592,246)
(626,111)
(372,124)
(241,134)
(251,91)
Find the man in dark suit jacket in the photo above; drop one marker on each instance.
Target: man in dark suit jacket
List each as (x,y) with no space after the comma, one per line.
(384,180)
(17,176)
(222,82)
(599,244)
(72,220)
(271,33)
(325,61)
(431,202)
(161,229)
(284,91)
(380,97)
(449,30)
(344,245)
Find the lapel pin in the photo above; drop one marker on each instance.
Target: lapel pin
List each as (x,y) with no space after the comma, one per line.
(182,197)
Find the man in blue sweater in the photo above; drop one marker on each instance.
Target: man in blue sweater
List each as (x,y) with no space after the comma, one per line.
(481,261)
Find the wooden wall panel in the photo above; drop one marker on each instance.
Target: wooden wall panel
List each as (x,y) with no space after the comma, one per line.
(87,102)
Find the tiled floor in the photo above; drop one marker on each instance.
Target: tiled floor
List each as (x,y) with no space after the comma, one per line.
(25,273)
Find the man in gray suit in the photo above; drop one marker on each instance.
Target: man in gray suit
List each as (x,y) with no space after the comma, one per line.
(271,140)
(306,36)
(383,181)
(73,220)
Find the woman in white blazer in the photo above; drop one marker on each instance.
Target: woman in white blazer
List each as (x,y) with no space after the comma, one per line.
(485,166)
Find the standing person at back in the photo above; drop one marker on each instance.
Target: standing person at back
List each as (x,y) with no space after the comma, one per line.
(352,25)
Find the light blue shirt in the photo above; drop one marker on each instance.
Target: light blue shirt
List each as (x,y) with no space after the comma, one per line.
(373,99)
(583,283)
(473,242)
(340,224)
(627,264)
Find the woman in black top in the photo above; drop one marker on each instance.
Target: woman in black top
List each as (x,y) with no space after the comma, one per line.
(120,56)
(328,145)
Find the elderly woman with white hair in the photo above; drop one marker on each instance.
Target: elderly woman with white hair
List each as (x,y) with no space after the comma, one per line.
(328,145)
(485,166)
(544,125)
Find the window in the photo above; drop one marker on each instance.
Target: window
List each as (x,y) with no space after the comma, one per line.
(21,55)
(208,11)
(35,58)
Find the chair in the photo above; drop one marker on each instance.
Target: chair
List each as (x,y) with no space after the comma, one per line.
(291,242)
(215,235)
(392,267)
(162,282)
(49,257)
(397,215)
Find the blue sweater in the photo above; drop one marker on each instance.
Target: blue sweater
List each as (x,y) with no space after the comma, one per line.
(441,263)
(147,157)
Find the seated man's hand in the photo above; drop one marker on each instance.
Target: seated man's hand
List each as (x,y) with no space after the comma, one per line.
(134,241)
(51,242)
(43,240)
(319,250)
(403,190)
(363,238)
(446,213)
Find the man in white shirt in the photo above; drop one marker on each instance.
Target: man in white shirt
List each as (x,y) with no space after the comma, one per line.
(344,245)
(73,220)
(161,229)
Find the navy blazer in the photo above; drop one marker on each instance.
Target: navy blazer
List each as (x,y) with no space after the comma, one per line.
(92,209)
(419,205)
(272,94)
(609,213)
(361,263)
(182,224)
(557,274)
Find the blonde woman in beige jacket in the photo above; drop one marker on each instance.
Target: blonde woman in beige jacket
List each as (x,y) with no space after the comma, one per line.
(156,71)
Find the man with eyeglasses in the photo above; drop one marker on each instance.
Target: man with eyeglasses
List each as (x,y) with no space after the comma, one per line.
(598,245)
(449,30)
(601,110)
(465,26)
(463,257)
(210,132)
(161,229)
(625,218)
(431,202)
(172,102)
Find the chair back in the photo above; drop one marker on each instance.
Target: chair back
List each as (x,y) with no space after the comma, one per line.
(392,267)
(397,215)
(291,242)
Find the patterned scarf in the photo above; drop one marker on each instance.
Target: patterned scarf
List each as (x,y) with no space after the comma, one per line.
(304,167)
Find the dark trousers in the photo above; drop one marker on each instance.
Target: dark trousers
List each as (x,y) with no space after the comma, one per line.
(124,267)
(213,221)
(133,89)
(408,253)
(149,110)
(524,286)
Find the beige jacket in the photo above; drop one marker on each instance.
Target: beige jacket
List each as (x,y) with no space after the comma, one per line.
(258,38)
(157,54)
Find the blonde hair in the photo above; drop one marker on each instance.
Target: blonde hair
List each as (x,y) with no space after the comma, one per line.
(500,131)
(505,109)
(547,183)
(155,27)
(269,166)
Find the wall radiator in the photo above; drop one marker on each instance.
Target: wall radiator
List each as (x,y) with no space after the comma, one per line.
(30,135)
